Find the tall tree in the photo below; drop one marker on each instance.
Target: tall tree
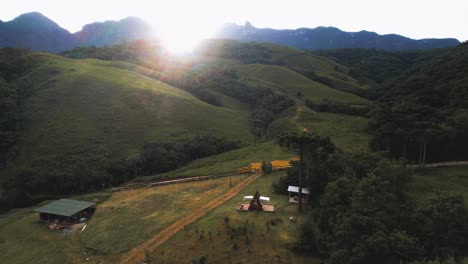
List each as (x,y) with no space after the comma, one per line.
(304,144)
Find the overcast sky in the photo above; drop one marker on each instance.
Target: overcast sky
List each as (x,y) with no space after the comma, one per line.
(412,18)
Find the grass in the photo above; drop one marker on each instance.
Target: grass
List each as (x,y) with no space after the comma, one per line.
(346,132)
(302,62)
(120,223)
(291,83)
(426,182)
(264,244)
(233,159)
(126,219)
(88,106)
(24,240)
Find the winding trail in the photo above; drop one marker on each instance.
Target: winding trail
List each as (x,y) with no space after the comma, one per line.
(138,254)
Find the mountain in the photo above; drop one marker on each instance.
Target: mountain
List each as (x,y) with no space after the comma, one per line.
(37,32)
(112,32)
(330,38)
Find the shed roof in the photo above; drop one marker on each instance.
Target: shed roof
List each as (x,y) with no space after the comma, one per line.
(64,207)
(296,189)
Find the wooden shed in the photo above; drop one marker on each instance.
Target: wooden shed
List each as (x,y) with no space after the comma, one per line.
(65,210)
(294,194)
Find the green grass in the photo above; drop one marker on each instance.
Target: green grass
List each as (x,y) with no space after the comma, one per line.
(264,245)
(346,132)
(302,62)
(231,160)
(120,223)
(25,240)
(290,82)
(425,183)
(88,106)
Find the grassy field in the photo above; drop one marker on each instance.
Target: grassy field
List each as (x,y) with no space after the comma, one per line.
(25,240)
(296,60)
(258,243)
(120,223)
(126,219)
(427,182)
(346,132)
(86,106)
(291,83)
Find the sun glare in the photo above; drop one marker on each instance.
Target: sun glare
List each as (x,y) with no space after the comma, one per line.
(179,42)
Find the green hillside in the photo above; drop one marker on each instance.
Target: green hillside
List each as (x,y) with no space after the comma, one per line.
(106,115)
(313,66)
(82,117)
(289,82)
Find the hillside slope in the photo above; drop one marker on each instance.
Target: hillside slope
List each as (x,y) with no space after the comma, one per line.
(292,83)
(423,114)
(81,116)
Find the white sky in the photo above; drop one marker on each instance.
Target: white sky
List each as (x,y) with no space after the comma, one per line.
(412,18)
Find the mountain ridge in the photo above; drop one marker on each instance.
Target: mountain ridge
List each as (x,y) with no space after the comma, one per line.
(330,38)
(37,32)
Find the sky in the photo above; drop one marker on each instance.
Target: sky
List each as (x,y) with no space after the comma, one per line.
(412,18)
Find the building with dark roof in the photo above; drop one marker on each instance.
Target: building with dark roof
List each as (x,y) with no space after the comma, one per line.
(65,210)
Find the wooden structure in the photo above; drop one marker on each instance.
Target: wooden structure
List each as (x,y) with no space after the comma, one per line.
(65,210)
(256,203)
(294,194)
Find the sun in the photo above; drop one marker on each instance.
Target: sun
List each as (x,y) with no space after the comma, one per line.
(181,39)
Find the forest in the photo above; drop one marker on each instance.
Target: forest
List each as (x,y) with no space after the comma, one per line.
(362,210)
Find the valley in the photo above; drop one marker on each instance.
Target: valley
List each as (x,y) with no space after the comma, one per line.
(79,123)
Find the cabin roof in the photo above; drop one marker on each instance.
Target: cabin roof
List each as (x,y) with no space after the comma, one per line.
(64,207)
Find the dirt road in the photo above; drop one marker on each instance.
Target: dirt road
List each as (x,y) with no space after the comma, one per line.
(442,164)
(137,255)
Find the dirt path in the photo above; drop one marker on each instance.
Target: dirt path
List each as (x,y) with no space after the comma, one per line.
(137,255)
(442,164)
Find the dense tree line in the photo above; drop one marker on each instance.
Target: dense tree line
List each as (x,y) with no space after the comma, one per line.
(244,52)
(363,213)
(13,64)
(159,157)
(423,115)
(371,219)
(378,66)
(134,51)
(72,173)
(336,107)
(265,103)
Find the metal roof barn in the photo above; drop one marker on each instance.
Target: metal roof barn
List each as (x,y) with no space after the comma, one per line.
(64,207)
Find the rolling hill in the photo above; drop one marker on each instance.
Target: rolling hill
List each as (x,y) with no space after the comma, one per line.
(105,115)
(82,117)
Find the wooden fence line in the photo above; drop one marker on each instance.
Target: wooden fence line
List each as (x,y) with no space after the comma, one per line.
(139,185)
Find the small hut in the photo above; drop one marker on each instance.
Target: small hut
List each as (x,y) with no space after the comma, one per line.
(255,203)
(294,194)
(65,210)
